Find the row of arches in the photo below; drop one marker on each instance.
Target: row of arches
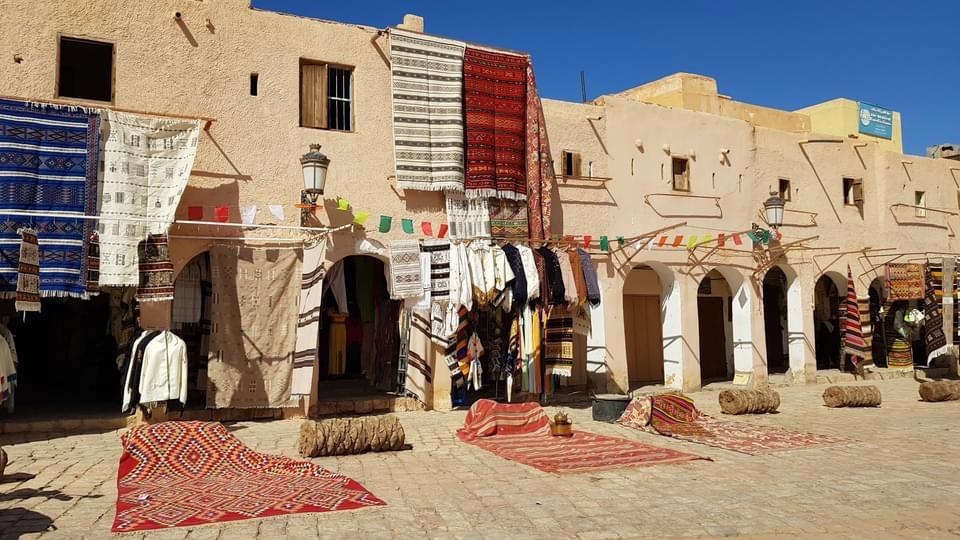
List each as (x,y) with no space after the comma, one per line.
(724,303)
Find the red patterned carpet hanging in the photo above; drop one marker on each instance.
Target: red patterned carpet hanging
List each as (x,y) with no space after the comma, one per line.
(521,432)
(176,474)
(494,86)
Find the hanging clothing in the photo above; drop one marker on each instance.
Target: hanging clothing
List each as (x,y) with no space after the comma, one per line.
(163,375)
(8,375)
(556,295)
(8,336)
(134,367)
(530,273)
(502,276)
(480,259)
(337,355)
(518,285)
(589,278)
(558,359)
(461,285)
(456,351)
(474,352)
(566,275)
(337,284)
(578,278)
(363,287)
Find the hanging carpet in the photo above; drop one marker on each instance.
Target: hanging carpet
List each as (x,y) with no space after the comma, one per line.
(675,415)
(508,219)
(904,281)
(540,176)
(427,78)
(521,432)
(146,164)
(254,326)
(48,164)
(853,343)
(178,474)
(936,340)
(28,275)
(156,269)
(494,88)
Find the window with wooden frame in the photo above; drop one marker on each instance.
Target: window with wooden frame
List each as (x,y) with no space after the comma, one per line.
(326,96)
(571,163)
(681,173)
(920,203)
(783,189)
(85,69)
(852,191)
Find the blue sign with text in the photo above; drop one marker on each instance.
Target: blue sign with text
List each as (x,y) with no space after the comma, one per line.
(875,121)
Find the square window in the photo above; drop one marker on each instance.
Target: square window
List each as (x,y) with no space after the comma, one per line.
(326,96)
(85,69)
(783,189)
(571,163)
(681,174)
(852,191)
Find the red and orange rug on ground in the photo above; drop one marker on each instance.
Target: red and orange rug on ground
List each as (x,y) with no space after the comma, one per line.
(521,432)
(675,415)
(175,474)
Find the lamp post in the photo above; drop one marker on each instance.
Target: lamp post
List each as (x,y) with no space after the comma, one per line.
(773,207)
(314,165)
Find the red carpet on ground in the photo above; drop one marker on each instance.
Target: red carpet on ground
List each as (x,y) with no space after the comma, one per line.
(521,432)
(675,415)
(175,474)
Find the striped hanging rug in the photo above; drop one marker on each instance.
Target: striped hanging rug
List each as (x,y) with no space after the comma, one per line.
(28,275)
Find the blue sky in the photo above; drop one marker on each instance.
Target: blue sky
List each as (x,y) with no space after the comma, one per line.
(900,55)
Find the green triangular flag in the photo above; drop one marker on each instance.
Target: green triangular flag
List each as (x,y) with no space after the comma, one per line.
(753,236)
(604,243)
(407,225)
(385,223)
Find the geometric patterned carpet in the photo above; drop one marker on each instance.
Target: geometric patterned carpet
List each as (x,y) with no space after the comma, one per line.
(176,474)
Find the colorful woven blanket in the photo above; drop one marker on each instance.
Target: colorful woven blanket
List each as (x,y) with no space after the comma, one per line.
(147,162)
(48,164)
(508,219)
(28,276)
(406,279)
(853,342)
(936,340)
(494,86)
(156,269)
(675,415)
(558,358)
(177,474)
(521,432)
(540,174)
(904,281)
(427,78)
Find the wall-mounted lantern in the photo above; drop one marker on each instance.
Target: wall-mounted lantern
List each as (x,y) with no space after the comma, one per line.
(314,165)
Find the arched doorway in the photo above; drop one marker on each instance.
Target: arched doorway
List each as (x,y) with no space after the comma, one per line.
(644,323)
(358,343)
(775,321)
(877,344)
(714,311)
(191,321)
(827,299)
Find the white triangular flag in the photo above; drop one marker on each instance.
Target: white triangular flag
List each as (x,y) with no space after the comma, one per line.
(277,211)
(248,213)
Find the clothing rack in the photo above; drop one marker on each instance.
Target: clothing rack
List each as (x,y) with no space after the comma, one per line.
(208,120)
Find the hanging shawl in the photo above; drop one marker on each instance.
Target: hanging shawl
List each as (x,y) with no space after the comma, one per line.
(494,87)
(480,259)
(853,343)
(936,340)
(426,74)
(518,288)
(540,175)
(305,355)
(589,278)
(554,271)
(578,280)
(541,265)
(502,275)
(530,273)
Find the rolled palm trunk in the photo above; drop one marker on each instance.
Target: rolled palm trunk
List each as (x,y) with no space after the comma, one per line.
(345,436)
(852,396)
(762,401)
(940,390)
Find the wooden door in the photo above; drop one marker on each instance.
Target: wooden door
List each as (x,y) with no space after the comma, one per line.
(713,341)
(643,334)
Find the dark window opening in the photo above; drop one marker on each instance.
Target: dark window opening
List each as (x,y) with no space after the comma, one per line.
(571,163)
(852,192)
(783,191)
(338,98)
(681,174)
(326,96)
(254,83)
(86,69)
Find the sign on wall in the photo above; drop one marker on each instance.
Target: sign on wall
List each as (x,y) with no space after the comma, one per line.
(874,120)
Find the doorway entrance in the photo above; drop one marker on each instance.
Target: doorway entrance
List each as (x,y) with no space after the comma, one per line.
(826,323)
(643,327)
(715,323)
(775,320)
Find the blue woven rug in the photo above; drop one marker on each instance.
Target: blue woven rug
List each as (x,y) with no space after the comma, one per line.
(48,163)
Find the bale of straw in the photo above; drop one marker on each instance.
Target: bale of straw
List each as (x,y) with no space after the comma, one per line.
(3,462)
(852,396)
(762,401)
(940,390)
(345,436)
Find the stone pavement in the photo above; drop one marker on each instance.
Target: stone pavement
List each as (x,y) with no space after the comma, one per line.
(900,479)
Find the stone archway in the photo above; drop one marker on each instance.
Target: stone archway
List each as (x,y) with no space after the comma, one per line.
(783,320)
(828,295)
(736,295)
(651,308)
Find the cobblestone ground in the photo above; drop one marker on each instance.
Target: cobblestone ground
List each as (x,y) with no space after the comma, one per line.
(900,479)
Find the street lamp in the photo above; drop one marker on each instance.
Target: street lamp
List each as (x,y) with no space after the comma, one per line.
(314,165)
(773,207)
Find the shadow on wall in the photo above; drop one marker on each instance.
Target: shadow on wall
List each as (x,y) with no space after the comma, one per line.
(227,194)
